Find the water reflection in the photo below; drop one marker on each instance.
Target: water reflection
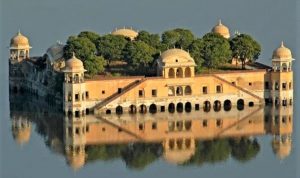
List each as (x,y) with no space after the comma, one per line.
(183,139)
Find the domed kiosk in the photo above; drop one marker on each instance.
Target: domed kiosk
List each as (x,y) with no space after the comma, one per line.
(21,130)
(282,146)
(175,63)
(19,48)
(126,32)
(221,29)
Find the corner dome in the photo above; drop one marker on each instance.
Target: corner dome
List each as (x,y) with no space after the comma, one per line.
(176,56)
(221,29)
(178,156)
(22,135)
(282,150)
(76,161)
(129,33)
(282,53)
(74,65)
(19,41)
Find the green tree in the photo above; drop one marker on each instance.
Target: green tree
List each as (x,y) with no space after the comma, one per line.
(94,65)
(139,55)
(83,47)
(111,47)
(215,50)
(179,38)
(195,51)
(244,48)
(90,35)
(150,39)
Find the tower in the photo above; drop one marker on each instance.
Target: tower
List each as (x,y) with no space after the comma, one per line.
(19,48)
(282,77)
(74,88)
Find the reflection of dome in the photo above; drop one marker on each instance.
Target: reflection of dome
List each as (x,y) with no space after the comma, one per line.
(76,161)
(74,64)
(282,149)
(21,130)
(19,41)
(129,33)
(176,56)
(178,156)
(221,29)
(282,52)
(55,52)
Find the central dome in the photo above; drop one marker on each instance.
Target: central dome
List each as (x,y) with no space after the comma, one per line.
(19,41)
(129,33)
(282,52)
(176,56)
(221,29)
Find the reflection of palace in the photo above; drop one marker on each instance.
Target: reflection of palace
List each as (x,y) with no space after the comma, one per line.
(176,133)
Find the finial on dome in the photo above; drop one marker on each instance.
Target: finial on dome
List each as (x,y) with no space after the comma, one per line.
(19,32)
(73,55)
(282,44)
(220,22)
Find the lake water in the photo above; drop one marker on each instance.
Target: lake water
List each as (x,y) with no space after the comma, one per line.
(45,22)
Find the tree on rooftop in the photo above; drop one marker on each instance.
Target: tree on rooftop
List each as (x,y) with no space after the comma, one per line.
(150,39)
(94,65)
(244,48)
(195,51)
(139,55)
(90,35)
(179,38)
(111,47)
(214,51)
(83,47)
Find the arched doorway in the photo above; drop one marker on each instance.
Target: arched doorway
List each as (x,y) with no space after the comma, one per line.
(187,72)
(179,107)
(108,111)
(206,106)
(188,107)
(179,73)
(217,105)
(119,110)
(227,105)
(171,108)
(143,109)
(179,91)
(240,104)
(171,73)
(188,90)
(152,108)
(132,109)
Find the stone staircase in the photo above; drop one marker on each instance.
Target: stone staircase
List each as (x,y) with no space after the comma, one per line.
(261,100)
(118,94)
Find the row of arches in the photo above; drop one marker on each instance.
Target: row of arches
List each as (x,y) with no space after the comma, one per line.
(181,107)
(180,90)
(180,72)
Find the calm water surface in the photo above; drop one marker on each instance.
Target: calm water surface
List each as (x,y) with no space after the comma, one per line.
(34,138)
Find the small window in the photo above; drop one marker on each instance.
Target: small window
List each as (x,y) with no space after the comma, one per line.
(119,90)
(103,129)
(141,126)
(219,123)
(290,85)
(154,126)
(204,123)
(120,130)
(197,107)
(103,91)
(154,93)
(276,86)
(87,128)
(266,85)
(69,97)
(77,114)
(219,89)
(162,109)
(87,95)
(76,97)
(141,93)
(284,86)
(204,90)
(233,83)
(77,131)
(250,83)
(176,60)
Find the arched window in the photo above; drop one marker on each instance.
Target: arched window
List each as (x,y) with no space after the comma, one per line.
(187,72)
(179,73)
(171,108)
(152,108)
(171,91)
(188,90)
(143,108)
(171,73)
(227,105)
(179,107)
(240,104)
(284,67)
(179,91)
(119,110)
(132,109)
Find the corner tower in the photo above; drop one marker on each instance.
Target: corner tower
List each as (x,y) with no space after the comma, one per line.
(74,88)
(282,77)
(19,48)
